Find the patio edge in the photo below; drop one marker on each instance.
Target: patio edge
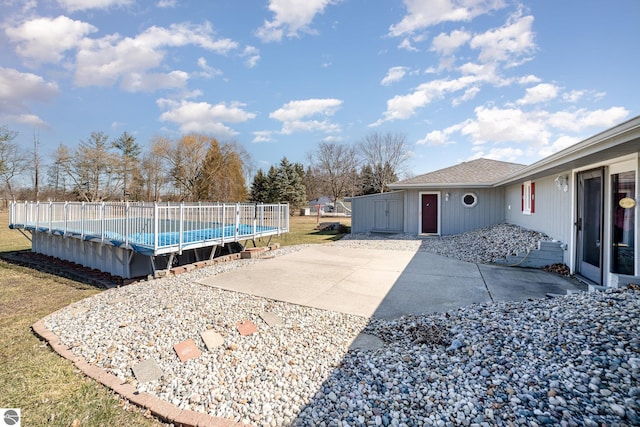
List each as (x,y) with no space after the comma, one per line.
(162,409)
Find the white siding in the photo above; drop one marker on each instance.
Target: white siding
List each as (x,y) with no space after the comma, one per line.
(552,216)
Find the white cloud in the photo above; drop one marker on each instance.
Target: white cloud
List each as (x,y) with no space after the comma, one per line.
(580,120)
(496,125)
(509,43)
(207,70)
(202,117)
(505,154)
(468,95)
(19,90)
(541,93)
(573,96)
(25,6)
(262,136)
(149,82)
(183,34)
(163,4)
(76,5)
(404,106)
(105,61)
(446,44)
(252,55)
(510,133)
(561,143)
(423,14)
(47,39)
(529,79)
(394,74)
(407,45)
(26,119)
(296,110)
(296,116)
(435,138)
(291,18)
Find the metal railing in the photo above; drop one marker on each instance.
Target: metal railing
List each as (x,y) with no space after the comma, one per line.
(153,229)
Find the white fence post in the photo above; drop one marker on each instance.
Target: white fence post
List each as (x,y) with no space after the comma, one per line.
(237,221)
(181,228)
(155,228)
(126,225)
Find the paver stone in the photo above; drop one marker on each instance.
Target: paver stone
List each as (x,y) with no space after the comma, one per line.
(147,370)
(212,339)
(246,327)
(187,350)
(271,318)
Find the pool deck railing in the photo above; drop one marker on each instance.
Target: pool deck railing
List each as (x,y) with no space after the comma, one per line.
(152,228)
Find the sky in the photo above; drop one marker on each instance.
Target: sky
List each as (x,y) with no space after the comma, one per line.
(459,79)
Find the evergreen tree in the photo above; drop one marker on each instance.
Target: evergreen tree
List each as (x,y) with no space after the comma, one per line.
(260,188)
(272,179)
(367,180)
(289,186)
(129,165)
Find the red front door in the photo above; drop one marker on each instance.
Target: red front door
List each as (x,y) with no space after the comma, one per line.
(430,213)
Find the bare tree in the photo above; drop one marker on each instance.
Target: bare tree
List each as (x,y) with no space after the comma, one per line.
(36,165)
(153,170)
(90,168)
(58,173)
(128,167)
(184,158)
(13,160)
(387,156)
(335,166)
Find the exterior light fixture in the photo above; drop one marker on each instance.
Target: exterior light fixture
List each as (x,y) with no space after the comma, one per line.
(562,182)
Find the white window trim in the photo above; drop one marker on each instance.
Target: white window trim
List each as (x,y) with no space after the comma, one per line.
(526,198)
(475,200)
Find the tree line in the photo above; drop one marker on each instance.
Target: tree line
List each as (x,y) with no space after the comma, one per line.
(196,167)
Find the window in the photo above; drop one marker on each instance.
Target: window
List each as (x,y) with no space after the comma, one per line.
(528,198)
(623,193)
(469,200)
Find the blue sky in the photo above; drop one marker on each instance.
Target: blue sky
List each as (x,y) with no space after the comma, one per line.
(462,79)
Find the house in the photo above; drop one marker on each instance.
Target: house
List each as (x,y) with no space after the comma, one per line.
(583,196)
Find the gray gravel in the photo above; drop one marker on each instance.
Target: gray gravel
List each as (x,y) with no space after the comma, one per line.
(567,361)
(484,246)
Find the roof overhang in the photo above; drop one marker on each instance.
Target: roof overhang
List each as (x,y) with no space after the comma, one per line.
(438,185)
(621,140)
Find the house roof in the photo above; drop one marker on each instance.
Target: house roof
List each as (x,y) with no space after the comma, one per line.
(474,173)
(618,141)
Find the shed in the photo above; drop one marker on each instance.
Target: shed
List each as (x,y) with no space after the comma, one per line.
(443,202)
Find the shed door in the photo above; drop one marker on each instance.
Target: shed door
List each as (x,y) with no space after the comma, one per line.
(430,213)
(380,215)
(387,215)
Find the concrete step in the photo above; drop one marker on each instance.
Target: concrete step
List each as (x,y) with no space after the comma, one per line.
(548,253)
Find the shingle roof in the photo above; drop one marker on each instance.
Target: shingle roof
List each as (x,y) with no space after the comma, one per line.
(475,172)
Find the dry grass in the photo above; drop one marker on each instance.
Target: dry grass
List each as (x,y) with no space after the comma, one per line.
(48,389)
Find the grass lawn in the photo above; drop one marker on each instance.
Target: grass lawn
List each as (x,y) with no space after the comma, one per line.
(302,230)
(48,389)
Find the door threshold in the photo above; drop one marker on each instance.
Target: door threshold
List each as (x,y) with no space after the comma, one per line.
(593,286)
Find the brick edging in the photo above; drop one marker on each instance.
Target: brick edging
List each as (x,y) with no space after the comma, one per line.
(158,407)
